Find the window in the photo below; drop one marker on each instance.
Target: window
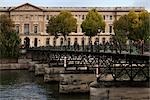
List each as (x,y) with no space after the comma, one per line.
(69,41)
(61,41)
(103,40)
(35,42)
(83,39)
(90,41)
(26,28)
(110,18)
(110,29)
(82,17)
(104,17)
(110,39)
(47,17)
(17,28)
(54,42)
(103,31)
(75,40)
(47,41)
(97,39)
(35,29)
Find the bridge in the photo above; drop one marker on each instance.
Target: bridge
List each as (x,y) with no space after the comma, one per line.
(123,64)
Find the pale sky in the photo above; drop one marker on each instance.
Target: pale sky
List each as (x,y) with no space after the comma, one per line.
(80,3)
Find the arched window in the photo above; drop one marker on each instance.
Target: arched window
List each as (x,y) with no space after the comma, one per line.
(69,43)
(97,39)
(90,41)
(61,41)
(54,41)
(83,40)
(75,39)
(35,42)
(103,40)
(47,41)
(110,40)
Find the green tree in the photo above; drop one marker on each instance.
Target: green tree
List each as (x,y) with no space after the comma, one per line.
(63,24)
(144,26)
(52,27)
(132,26)
(92,23)
(9,39)
(121,29)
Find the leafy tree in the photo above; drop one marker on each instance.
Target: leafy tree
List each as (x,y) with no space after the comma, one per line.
(144,26)
(132,26)
(64,23)
(9,39)
(52,27)
(92,23)
(121,29)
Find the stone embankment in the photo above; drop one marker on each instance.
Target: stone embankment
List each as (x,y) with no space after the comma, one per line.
(53,74)
(118,92)
(75,83)
(19,64)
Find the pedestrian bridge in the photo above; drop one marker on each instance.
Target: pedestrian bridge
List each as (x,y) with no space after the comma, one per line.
(122,65)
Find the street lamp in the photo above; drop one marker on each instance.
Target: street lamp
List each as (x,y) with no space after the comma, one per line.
(99,31)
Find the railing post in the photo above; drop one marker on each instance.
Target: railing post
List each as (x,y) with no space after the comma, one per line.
(97,72)
(65,62)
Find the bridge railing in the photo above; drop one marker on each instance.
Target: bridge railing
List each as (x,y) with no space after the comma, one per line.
(127,49)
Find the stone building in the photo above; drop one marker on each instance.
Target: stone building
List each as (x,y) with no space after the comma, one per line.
(31,22)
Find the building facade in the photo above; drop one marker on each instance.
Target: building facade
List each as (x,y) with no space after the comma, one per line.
(31,23)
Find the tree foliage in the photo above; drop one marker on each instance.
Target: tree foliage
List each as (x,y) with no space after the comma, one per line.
(9,39)
(144,27)
(52,27)
(64,23)
(132,26)
(92,23)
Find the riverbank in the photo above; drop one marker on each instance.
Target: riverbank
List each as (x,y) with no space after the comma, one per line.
(14,64)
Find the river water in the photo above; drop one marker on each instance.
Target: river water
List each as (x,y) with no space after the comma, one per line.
(23,85)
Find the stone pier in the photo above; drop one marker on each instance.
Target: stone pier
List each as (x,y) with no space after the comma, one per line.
(40,69)
(52,74)
(75,83)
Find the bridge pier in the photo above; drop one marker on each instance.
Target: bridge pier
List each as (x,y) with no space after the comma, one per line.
(75,82)
(40,69)
(52,74)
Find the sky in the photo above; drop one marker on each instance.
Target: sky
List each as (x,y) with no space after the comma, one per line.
(80,3)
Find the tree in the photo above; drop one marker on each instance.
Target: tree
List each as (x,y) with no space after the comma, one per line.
(121,29)
(9,39)
(52,27)
(64,23)
(132,26)
(144,26)
(92,23)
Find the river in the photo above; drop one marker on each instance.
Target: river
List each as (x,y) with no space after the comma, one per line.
(23,85)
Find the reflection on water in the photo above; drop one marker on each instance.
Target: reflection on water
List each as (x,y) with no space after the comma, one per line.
(22,85)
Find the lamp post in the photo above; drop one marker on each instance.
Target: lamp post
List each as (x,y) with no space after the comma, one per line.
(99,31)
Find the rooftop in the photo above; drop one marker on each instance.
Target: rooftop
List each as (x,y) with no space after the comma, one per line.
(78,8)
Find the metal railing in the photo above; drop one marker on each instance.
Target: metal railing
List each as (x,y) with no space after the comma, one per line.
(111,48)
